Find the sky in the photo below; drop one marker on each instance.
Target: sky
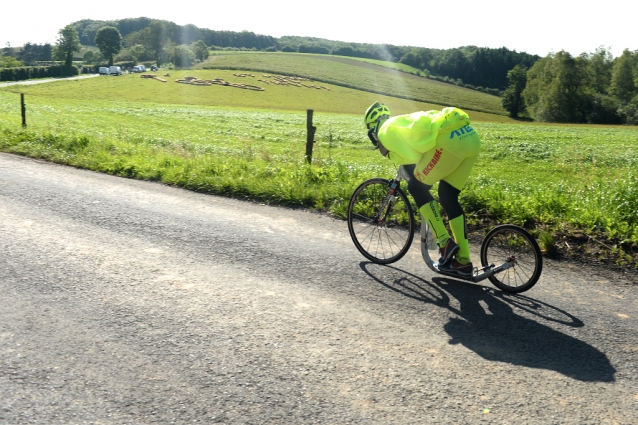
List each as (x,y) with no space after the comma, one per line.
(537,27)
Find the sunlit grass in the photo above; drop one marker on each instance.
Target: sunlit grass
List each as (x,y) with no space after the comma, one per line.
(362,76)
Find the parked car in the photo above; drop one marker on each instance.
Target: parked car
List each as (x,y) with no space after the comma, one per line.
(139,68)
(115,70)
(104,70)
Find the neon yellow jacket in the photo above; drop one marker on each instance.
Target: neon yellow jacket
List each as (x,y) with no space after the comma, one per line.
(408,137)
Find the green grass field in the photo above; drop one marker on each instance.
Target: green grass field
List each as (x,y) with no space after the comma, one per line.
(361,75)
(553,179)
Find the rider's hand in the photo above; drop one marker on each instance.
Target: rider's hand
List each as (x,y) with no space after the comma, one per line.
(383,150)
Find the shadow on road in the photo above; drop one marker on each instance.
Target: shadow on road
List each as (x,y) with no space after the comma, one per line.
(488,324)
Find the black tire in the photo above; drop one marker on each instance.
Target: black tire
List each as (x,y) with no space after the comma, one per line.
(383,237)
(509,240)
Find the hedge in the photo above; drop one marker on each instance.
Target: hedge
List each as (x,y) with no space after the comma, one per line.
(28,72)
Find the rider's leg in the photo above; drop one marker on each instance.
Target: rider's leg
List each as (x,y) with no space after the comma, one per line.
(430,210)
(449,190)
(449,197)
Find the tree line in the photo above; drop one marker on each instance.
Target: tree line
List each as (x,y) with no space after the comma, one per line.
(145,39)
(590,88)
(471,66)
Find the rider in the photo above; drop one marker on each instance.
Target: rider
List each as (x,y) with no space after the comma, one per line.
(433,146)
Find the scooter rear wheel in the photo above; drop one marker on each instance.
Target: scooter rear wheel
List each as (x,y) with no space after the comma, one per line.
(513,243)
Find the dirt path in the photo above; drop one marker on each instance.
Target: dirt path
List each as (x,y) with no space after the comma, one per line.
(131,302)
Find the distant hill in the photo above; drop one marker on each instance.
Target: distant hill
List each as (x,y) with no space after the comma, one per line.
(480,67)
(359,75)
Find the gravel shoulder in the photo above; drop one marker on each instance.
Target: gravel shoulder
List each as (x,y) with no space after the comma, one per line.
(132,302)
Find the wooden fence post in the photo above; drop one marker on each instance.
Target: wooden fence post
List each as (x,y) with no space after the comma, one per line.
(23,108)
(310,137)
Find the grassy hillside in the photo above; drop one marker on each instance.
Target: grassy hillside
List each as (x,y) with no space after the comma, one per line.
(360,75)
(331,98)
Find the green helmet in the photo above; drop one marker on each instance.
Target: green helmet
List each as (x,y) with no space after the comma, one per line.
(374,113)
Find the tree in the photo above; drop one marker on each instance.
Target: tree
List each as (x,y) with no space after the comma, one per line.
(183,56)
(558,89)
(156,40)
(67,44)
(599,68)
(201,50)
(622,85)
(9,62)
(88,57)
(7,50)
(136,51)
(109,41)
(513,101)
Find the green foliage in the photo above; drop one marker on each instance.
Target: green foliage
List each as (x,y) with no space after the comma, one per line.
(67,44)
(622,85)
(558,90)
(28,72)
(9,62)
(513,101)
(599,68)
(200,49)
(183,57)
(630,111)
(136,51)
(32,53)
(156,39)
(604,110)
(525,173)
(109,41)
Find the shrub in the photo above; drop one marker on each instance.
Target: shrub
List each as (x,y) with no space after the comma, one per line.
(28,72)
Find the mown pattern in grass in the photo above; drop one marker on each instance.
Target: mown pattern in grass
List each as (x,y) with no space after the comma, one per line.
(363,76)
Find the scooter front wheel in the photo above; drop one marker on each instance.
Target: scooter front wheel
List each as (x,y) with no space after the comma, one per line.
(380,221)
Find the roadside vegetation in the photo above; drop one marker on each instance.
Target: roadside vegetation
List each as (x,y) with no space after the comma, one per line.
(552,179)
(574,187)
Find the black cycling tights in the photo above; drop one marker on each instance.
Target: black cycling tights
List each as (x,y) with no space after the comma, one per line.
(448,194)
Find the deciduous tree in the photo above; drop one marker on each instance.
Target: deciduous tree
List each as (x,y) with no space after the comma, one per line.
(156,40)
(513,101)
(201,50)
(109,41)
(136,52)
(67,44)
(558,89)
(623,86)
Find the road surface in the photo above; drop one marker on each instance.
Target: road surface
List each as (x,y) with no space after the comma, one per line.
(129,302)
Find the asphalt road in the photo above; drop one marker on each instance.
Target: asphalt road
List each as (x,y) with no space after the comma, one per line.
(46,80)
(128,302)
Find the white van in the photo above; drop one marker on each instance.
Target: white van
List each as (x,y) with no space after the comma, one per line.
(115,70)
(104,70)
